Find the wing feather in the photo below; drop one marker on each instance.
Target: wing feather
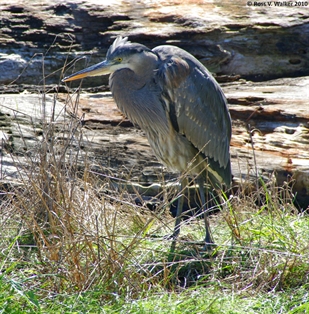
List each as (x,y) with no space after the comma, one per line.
(198,103)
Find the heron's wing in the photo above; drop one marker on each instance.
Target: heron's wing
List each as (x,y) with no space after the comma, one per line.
(196,103)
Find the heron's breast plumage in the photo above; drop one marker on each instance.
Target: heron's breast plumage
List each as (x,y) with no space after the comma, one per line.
(176,152)
(147,108)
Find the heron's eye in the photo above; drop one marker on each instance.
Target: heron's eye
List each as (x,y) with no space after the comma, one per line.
(119,59)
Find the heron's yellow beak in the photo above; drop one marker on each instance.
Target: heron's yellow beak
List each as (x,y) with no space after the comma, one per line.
(98,69)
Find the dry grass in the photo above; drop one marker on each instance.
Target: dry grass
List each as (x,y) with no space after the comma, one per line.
(67,236)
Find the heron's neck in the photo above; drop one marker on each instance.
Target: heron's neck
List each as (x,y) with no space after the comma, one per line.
(126,80)
(136,95)
(126,87)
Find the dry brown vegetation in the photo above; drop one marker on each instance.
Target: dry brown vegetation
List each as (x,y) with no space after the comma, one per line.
(63,234)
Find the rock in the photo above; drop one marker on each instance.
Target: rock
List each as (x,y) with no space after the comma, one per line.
(21,118)
(275,113)
(11,67)
(229,37)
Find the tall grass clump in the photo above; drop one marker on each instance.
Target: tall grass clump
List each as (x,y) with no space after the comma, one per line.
(267,249)
(59,222)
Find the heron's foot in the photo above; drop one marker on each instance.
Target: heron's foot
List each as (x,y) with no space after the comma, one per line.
(209,247)
(168,237)
(172,236)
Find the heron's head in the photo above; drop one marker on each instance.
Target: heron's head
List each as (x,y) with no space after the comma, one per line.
(122,54)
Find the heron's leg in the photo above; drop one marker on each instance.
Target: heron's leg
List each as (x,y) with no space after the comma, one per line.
(178,214)
(208,236)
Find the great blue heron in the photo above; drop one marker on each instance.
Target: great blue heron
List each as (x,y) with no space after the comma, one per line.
(180,107)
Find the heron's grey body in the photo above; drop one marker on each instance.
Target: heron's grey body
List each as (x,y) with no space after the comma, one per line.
(177,103)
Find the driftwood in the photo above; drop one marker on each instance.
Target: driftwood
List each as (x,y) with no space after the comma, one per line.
(270,134)
(230,38)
